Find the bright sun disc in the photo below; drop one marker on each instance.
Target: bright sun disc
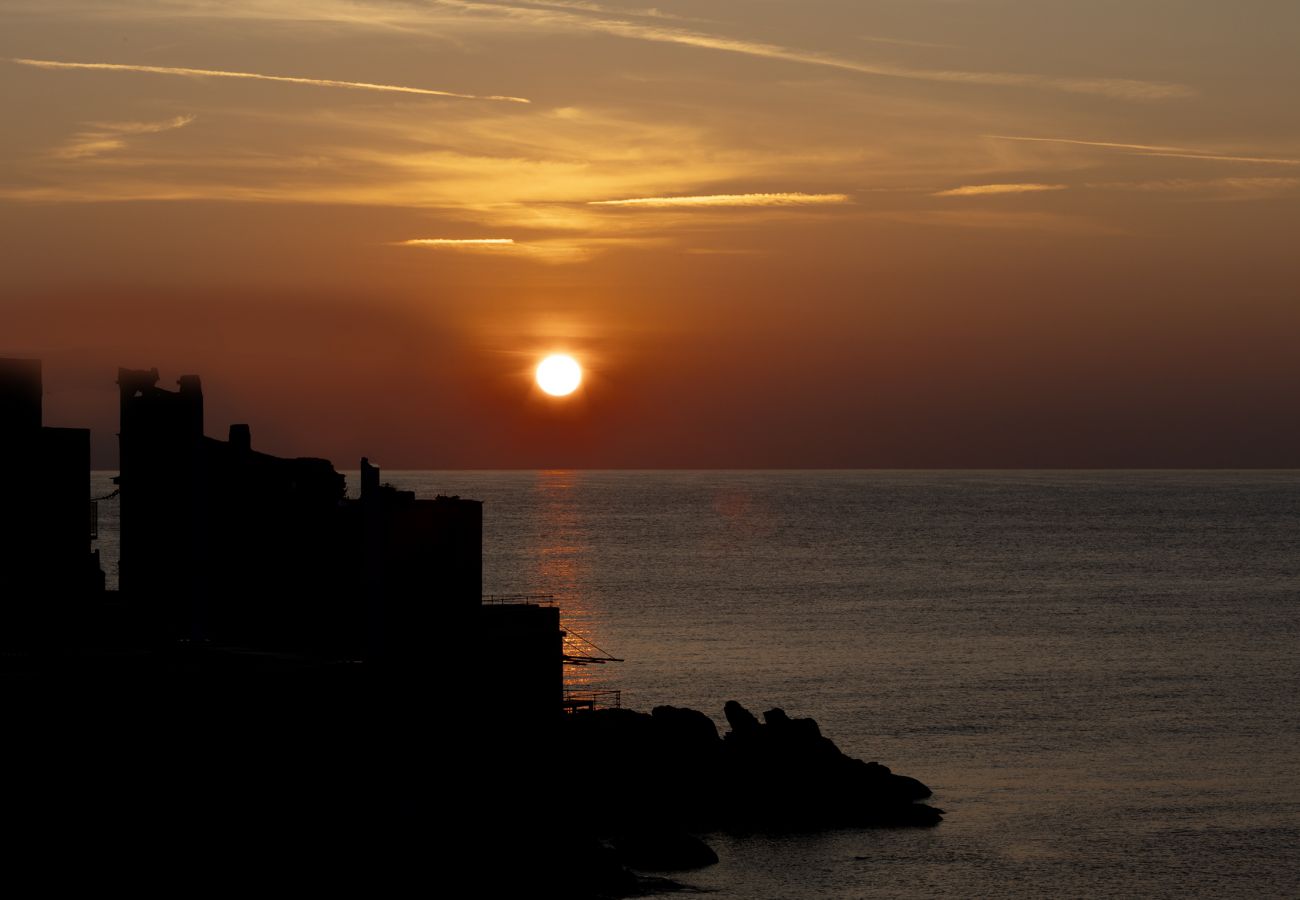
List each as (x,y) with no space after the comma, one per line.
(559,375)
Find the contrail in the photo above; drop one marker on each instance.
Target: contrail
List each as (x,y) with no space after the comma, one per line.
(730,200)
(1121,88)
(1152,150)
(255,76)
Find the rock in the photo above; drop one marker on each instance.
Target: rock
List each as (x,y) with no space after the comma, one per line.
(742,721)
(653,773)
(689,726)
(911,788)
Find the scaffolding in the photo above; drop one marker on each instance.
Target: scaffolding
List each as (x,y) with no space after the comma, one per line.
(583,701)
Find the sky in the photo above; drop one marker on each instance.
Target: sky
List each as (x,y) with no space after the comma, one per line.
(775,233)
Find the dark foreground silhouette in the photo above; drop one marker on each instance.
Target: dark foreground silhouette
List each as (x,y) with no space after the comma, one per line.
(224,768)
(629,789)
(296,690)
(670,767)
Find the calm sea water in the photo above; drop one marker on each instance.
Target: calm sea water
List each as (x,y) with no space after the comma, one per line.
(1096,672)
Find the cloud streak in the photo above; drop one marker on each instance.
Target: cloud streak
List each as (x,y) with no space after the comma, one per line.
(454,243)
(580,6)
(105,137)
(730,200)
(1119,88)
(552,251)
(1152,150)
(981,190)
(438,18)
(255,76)
(1222,188)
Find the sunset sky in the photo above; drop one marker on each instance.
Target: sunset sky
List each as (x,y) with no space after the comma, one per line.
(775,233)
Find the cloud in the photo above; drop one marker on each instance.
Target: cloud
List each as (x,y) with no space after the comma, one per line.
(217,73)
(1222,188)
(731,200)
(563,251)
(104,137)
(978,190)
(1153,150)
(384,16)
(1238,188)
(1119,88)
(440,18)
(581,6)
(552,251)
(503,174)
(457,243)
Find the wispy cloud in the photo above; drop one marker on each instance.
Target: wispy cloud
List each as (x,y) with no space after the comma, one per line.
(255,76)
(1226,188)
(440,18)
(457,243)
(1215,188)
(980,190)
(648,12)
(553,251)
(1120,88)
(105,137)
(1153,150)
(731,200)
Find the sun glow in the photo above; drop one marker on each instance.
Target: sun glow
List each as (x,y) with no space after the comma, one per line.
(559,375)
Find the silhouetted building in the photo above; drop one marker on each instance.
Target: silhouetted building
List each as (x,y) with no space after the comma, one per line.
(163,516)
(423,569)
(235,728)
(224,543)
(525,675)
(47,567)
(219,541)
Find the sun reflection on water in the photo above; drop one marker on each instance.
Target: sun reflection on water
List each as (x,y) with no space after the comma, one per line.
(560,562)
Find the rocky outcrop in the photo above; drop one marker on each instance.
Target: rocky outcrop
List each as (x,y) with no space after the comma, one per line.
(670,769)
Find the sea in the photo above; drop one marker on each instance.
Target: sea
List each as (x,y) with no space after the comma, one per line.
(1098,673)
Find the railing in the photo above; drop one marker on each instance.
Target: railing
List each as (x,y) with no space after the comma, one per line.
(519,599)
(579,701)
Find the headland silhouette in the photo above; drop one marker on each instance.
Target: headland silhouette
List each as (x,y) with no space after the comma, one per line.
(296,688)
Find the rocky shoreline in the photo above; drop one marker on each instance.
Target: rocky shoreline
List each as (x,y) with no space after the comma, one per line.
(657,781)
(671,766)
(286,772)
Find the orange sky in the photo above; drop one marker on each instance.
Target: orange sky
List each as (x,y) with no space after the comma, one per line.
(868,232)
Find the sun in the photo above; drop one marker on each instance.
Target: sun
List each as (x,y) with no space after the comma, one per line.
(559,375)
